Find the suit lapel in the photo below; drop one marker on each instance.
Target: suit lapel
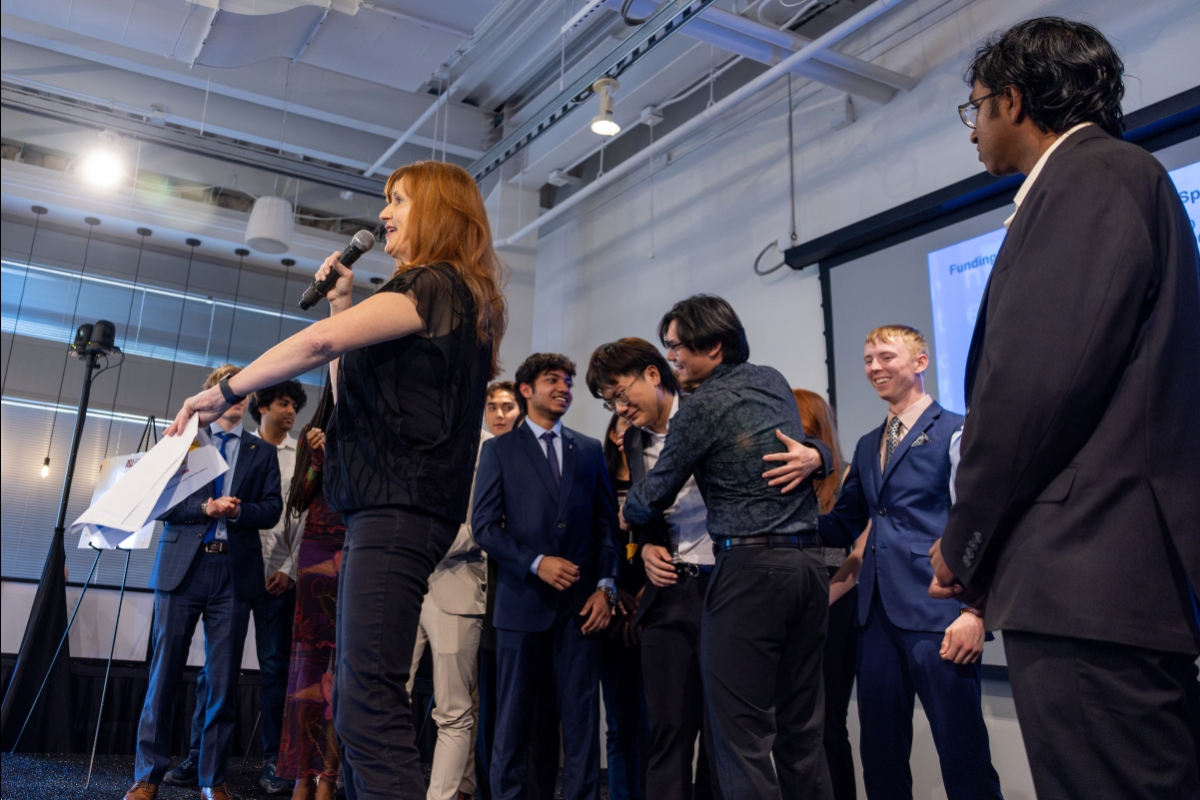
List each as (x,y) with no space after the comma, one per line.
(922,424)
(570,453)
(873,479)
(537,459)
(246,452)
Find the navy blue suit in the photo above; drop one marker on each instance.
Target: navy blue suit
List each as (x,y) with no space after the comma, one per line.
(520,514)
(188,584)
(901,625)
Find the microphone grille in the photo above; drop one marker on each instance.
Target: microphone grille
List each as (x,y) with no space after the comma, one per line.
(364,240)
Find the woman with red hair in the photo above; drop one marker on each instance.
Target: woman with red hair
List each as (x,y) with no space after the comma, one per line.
(410,367)
(816,416)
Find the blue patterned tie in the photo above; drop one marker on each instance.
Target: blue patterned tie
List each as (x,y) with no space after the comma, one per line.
(552,457)
(219,488)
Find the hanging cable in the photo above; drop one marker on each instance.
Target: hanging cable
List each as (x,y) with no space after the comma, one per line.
(12,345)
(651,193)
(791,159)
(237,293)
(288,263)
(187,286)
(92,222)
(137,272)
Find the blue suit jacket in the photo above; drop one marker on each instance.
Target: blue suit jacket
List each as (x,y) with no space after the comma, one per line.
(256,484)
(908,504)
(519,515)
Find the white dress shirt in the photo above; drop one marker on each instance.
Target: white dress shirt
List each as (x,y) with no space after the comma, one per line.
(1027,184)
(687,518)
(539,432)
(233,445)
(281,544)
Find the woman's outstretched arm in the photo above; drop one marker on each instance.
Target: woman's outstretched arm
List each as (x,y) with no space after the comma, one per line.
(380,318)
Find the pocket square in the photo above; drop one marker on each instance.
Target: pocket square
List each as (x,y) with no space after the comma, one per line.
(920,440)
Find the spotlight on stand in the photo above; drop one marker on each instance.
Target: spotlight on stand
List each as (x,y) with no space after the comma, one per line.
(603,123)
(102,165)
(270,227)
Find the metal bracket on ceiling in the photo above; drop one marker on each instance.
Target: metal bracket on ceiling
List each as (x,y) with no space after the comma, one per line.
(666,21)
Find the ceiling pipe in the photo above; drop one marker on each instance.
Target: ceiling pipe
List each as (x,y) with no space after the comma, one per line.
(743,92)
(412,129)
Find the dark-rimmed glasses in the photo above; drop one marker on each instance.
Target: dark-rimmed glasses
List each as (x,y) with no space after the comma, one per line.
(619,399)
(968,112)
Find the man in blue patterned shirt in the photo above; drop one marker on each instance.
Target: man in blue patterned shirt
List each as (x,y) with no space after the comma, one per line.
(763,625)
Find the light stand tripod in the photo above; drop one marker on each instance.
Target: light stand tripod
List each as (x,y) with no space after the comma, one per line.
(91,342)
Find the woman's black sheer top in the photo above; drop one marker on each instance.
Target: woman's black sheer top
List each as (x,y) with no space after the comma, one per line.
(409,411)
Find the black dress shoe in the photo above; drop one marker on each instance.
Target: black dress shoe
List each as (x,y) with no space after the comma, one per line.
(186,774)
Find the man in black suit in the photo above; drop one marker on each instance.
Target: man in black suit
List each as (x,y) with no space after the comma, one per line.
(209,564)
(635,381)
(1077,518)
(544,510)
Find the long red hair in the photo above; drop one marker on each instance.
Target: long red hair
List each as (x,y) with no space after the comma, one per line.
(817,418)
(448,224)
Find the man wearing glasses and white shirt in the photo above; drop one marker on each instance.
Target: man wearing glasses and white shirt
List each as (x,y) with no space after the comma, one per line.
(635,381)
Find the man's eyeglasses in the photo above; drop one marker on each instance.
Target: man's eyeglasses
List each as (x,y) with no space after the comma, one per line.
(676,346)
(968,112)
(620,399)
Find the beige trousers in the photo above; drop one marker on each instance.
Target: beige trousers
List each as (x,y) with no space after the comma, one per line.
(454,646)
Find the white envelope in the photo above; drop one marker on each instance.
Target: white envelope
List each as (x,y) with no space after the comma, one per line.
(135,490)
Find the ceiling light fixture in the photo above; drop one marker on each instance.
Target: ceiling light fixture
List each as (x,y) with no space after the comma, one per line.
(102,166)
(603,123)
(269,229)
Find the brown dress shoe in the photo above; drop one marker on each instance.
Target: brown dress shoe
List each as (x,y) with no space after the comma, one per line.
(141,790)
(218,792)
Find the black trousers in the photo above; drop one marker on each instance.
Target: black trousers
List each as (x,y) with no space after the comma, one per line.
(671,676)
(386,563)
(762,641)
(1103,720)
(841,655)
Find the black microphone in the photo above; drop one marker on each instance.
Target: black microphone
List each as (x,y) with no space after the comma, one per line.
(361,243)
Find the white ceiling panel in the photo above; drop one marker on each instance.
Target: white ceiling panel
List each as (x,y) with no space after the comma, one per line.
(239,40)
(154,26)
(376,46)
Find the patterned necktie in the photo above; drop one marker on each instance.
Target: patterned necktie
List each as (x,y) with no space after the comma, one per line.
(218,488)
(552,457)
(893,439)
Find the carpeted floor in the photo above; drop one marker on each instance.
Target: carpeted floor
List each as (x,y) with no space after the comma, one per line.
(42,777)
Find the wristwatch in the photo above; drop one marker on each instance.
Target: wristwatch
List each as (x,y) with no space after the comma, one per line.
(204,507)
(228,394)
(611,594)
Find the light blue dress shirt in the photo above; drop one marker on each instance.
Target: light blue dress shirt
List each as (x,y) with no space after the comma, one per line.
(233,446)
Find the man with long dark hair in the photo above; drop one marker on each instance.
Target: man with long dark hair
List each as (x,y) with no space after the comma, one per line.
(1075,522)
(764,615)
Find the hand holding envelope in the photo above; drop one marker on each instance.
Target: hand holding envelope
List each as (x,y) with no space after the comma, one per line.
(135,490)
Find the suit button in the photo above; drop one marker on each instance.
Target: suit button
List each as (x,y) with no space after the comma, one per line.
(883,512)
(562,525)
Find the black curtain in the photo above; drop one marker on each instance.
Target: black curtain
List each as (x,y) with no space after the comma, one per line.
(49,730)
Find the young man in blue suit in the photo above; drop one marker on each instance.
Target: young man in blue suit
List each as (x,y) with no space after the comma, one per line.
(544,510)
(910,643)
(209,564)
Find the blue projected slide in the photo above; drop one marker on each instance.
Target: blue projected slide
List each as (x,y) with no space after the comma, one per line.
(957,276)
